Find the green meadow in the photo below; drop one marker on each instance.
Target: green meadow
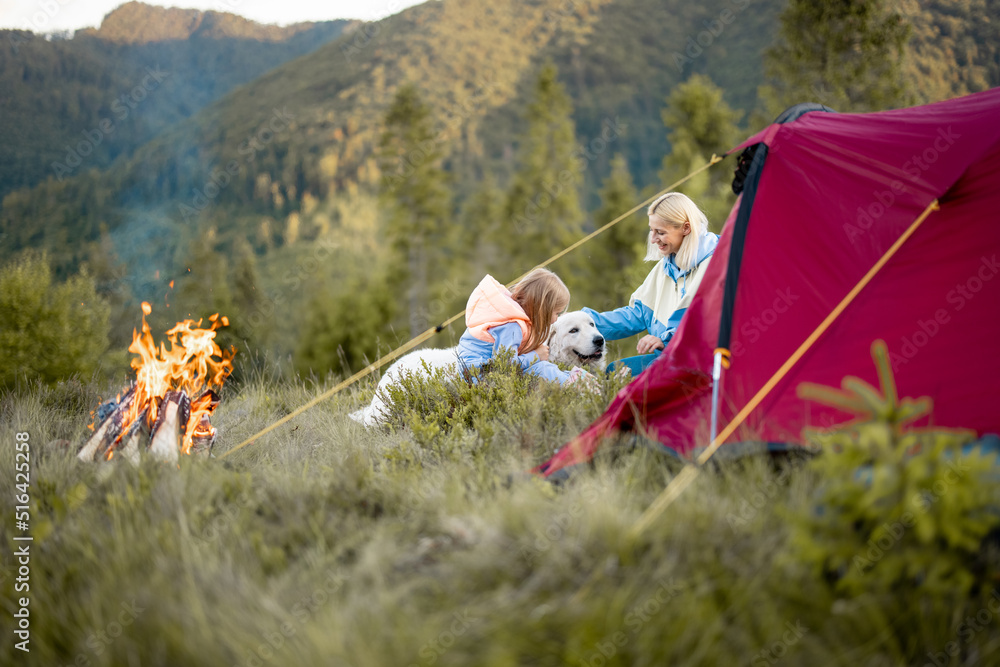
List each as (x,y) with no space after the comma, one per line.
(426,543)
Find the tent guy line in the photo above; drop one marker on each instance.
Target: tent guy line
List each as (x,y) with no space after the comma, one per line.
(426,335)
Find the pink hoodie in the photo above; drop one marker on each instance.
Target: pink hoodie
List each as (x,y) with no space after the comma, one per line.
(491,305)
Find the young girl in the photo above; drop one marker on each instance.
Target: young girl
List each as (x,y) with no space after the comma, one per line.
(519,320)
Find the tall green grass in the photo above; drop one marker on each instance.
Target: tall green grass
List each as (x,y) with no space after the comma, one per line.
(426,544)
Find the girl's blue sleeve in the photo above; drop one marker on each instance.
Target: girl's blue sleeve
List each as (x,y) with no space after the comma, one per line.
(509,336)
(622,322)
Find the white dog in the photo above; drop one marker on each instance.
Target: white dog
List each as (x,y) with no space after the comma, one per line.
(573,340)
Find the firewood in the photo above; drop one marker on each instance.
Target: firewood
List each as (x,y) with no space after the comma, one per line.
(204,437)
(212,398)
(137,434)
(170,424)
(112,416)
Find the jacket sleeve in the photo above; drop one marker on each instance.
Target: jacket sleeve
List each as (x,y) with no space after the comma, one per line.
(622,322)
(509,336)
(665,332)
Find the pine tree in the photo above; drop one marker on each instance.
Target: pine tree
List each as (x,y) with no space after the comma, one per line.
(113,285)
(618,252)
(247,321)
(543,213)
(846,54)
(48,331)
(483,213)
(330,341)
(416,199)
(203,290)
(701,124)
(205,287)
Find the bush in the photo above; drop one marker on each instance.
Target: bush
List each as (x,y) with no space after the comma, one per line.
(441,410)
(897,508)
(48,331)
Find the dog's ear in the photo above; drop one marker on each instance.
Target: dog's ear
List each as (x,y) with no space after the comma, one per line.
(555,343)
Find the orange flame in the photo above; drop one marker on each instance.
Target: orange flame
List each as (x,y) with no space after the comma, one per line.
(193,363)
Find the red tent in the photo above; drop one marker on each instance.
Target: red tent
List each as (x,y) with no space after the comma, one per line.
(826,198)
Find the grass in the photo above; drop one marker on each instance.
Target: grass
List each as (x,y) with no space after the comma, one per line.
(326,544)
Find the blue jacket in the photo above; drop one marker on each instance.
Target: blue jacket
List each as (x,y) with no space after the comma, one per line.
(660,302)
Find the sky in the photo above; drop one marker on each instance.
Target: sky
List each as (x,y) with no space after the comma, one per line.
(61,15)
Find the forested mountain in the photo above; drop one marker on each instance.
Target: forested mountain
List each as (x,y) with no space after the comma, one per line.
(954,47)
(473,61)
(114,88)
(269,194)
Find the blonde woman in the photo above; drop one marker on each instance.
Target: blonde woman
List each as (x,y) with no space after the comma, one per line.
(681,245)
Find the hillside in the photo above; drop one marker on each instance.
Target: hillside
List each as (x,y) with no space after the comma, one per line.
(474,63)
(954,47)
(280,173)
(617,58)
(139,23)
(332,190)
(55,94)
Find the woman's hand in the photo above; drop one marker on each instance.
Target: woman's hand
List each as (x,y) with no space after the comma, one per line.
(649,343)
(543,352)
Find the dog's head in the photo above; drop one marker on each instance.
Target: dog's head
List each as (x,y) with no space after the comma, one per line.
(575,340)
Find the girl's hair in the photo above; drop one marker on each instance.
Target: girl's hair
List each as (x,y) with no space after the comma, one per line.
(542,295)
(675,209)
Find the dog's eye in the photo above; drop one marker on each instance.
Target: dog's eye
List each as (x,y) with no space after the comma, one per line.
(574,330)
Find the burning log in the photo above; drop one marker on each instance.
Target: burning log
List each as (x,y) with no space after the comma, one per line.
(165,442)
(201,432)
(112,416)
(135,436)
(204,438)
(158,409)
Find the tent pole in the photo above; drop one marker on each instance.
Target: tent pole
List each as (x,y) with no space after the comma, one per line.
(722,358)
(716,376)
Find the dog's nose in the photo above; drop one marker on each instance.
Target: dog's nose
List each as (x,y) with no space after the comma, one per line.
(598,340)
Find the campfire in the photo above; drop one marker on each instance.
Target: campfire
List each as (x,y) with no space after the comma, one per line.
(167,409)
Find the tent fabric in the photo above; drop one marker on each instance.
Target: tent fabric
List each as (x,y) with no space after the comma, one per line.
(834,193)
(743,210)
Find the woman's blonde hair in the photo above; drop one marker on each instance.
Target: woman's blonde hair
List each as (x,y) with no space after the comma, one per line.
(675,209)
(542,295)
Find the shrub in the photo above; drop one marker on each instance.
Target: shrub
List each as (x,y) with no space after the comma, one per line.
(48,331)
(897,508)
(498,400)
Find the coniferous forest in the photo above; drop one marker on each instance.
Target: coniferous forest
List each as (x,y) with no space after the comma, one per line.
(222,155)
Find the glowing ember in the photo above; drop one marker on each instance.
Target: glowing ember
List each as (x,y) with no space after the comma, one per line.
(193,364)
